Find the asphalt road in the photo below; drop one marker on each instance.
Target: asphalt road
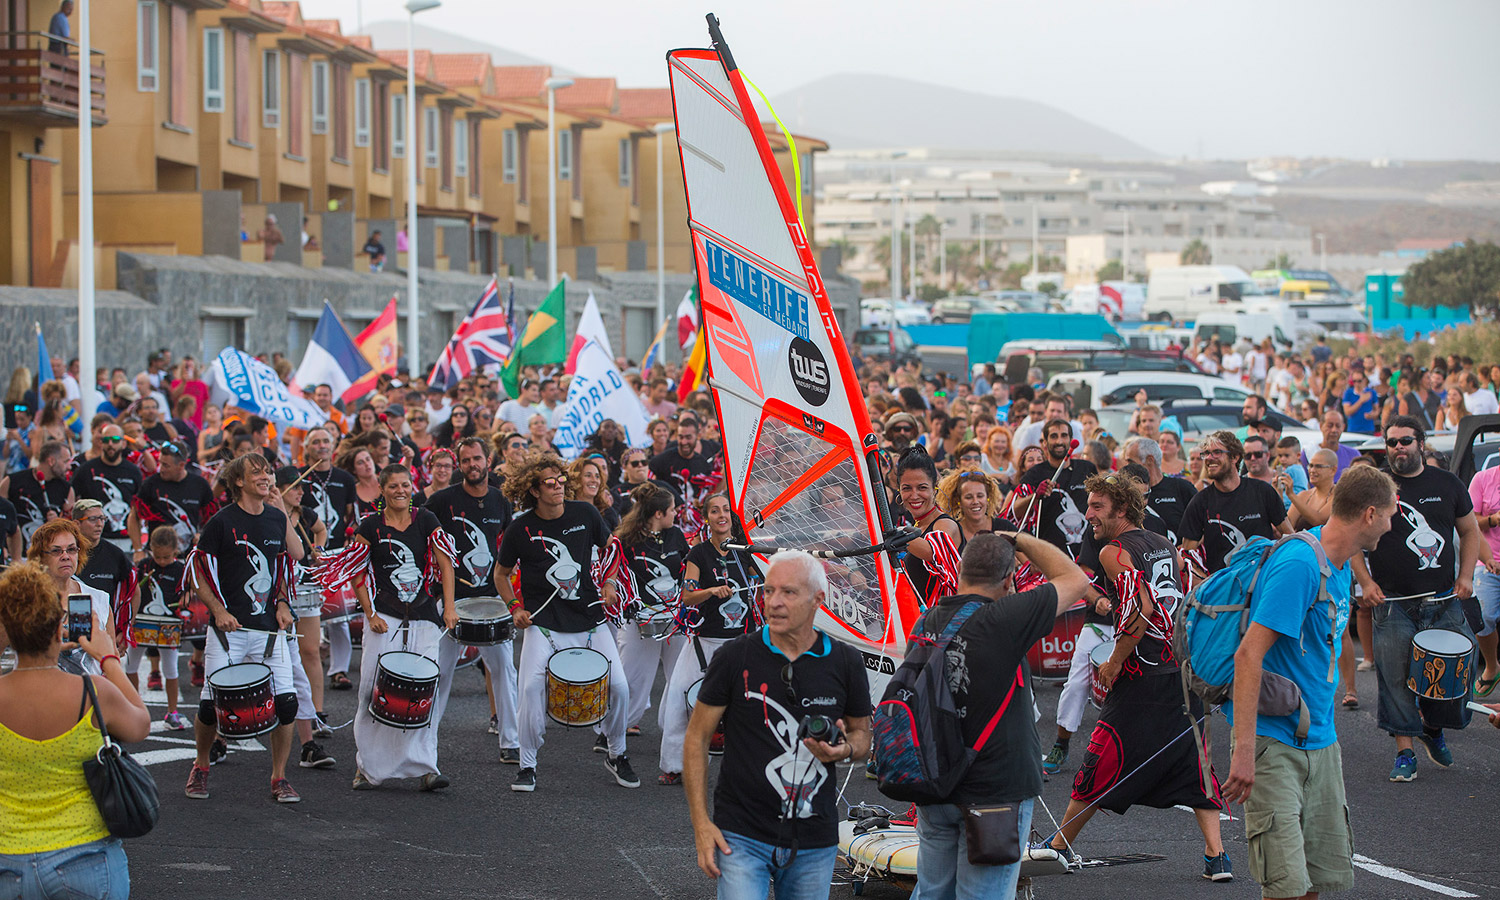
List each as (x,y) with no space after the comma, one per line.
(581,835)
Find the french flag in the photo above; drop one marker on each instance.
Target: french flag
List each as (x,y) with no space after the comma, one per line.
(332,358)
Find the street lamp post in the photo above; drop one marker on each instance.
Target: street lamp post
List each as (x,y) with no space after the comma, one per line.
(1322,252)
(553,86)
(86,337)
(895,234)
(662,129)
(413,159)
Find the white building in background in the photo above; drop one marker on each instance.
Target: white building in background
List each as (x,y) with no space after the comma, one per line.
(1076,215)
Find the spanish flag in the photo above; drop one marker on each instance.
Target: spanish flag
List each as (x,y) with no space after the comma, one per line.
(377,344)
(694,369)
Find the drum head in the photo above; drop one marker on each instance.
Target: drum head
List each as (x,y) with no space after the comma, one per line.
(1443,642)
(692,693)
(239,676)
(578,665)
(1101,654)
(482,608)
(411,666)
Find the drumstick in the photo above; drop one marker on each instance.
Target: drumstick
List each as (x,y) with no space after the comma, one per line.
(1036,530)
(299,478)
(1430,596)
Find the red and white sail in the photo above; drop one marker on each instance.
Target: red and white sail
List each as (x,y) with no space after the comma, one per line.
(798,450)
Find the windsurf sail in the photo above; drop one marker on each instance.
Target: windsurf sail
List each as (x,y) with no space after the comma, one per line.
(801,463)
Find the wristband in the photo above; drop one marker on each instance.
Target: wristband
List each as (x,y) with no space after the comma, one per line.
(113,656)
(513,605)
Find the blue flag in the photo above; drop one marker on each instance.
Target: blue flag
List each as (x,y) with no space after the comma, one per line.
(44,373)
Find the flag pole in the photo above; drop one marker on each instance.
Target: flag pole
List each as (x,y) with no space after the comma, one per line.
(87,361)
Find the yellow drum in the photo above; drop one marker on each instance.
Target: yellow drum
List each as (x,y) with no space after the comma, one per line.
(577,687)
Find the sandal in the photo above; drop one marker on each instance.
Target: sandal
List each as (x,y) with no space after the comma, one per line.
(1486,686)
(340,682)
(1351,701)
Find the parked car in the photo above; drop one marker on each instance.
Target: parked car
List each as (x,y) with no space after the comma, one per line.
(875,312)
(1097,388)
(887,344)
(1020,357)
(909,313)
(960,309)
(1021,301)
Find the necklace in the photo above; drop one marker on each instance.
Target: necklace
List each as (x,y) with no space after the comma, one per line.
(34,668)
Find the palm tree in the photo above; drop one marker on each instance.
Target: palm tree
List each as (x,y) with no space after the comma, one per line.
(1196,253)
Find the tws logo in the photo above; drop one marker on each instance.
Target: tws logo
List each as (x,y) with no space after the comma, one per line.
(809,371)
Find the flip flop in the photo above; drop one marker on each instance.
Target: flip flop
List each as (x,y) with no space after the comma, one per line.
(1486,686)
(1351,701)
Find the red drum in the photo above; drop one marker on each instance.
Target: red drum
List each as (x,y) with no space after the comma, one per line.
(1097,658)
(243,701)
(1050,657)
(194,619)
(405,686)
(467,656)
(340,605)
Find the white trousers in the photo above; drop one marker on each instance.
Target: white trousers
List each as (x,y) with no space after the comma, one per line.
(536,649)
(168,660)
(500,660)
(305,709)
(641,654)
(385,752)
(249,646)
(674,712)
(1075,692)
(340,647)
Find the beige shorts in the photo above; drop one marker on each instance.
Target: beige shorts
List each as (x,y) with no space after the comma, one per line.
(1297,821)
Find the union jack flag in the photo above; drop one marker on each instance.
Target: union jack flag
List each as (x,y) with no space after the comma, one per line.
(485,337)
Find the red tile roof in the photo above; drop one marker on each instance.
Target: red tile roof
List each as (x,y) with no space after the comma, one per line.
(521,82)
(361,40)
(645,103)
(461,69)
(398,58)
(589,93)
(283,12)
(325,26)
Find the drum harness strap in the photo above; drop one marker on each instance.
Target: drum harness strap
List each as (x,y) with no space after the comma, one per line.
(589,642)
(271,637)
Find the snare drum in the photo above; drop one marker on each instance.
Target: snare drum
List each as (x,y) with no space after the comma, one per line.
(1052,656)
(405,685)
(307,601)
(339,606)
(482,622)
(691,694)
(467,656)
(243,702)
(194,619)
(577,686)
(658,624)
(156,631)
(1097,658)
(1441,664)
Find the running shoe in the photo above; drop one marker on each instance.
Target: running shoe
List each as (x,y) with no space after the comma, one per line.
(494,725)
(362,782)
(525,781)
(511,756)
(601,744)
(175,721)
(321,728)
(619,766)
(1054,760)
(1365,666)
(1406,767)
(197,784)
(313,757)
(668,779)
(435,781)
(1067,854)
(1437,748)
(283,791)
(217,752)
(869,768)
(1217,868)
(153,681)
(196,673)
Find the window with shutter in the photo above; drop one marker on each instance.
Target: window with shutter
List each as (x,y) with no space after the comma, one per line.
(213,70)
(508,156)
(398,125)
(430,135)
(147,53)
(320,96)
(270,84)
(362,112)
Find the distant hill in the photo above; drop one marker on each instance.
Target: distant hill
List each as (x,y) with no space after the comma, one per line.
(853,111)
(390,34)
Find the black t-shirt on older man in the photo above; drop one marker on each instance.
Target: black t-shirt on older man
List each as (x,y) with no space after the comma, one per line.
(981,668)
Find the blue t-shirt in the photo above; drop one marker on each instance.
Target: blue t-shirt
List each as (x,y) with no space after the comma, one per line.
(1307,642)
(1299,483)
(1359,420)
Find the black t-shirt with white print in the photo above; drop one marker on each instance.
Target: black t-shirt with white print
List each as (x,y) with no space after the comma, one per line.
(114,486)
(1063,523)
(330,494)
(399,559)
(656,562)
(179,504)
(725,617)
(159,586)
(107,569)
(1088,560)
(1223,521)
(669,466)
(553,557)
(1419,554)
(1169,499)
(33,499)
(246,548)
(771,788)
(475,524)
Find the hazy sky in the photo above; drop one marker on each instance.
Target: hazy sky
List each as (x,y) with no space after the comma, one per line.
(1236,78)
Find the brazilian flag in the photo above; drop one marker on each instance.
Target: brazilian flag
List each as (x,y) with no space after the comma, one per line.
(544,342)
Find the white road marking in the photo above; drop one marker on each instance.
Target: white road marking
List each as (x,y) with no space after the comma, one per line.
(197,867)
(1223,816)
(656,889)
(156,757)
(1384,871)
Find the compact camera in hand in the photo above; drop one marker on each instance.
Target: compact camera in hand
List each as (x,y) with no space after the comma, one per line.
(820,728)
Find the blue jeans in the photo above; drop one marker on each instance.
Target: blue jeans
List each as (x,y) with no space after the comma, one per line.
(748,872)
(1487,592)
(97,870)
(1403,713)
(943,868)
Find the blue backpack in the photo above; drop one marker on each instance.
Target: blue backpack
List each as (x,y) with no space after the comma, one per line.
(1214,617)
(920,754)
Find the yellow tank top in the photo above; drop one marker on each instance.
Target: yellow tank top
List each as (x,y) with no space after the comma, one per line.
(44,802)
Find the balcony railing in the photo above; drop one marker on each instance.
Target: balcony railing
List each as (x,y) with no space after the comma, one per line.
(40,78)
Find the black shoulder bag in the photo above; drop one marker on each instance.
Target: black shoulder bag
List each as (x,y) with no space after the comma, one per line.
(124,791)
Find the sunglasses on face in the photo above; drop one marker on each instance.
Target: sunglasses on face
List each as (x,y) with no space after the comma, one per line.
(1255,454)
(112,440)
(636,463)
(554,481)
(1400,441)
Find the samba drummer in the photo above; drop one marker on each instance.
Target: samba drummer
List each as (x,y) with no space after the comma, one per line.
(553,541)
(1141,752)
(242,571)
(311,722)
(645,561)
(161,577)
(719,603)
(475,514)
(400,563)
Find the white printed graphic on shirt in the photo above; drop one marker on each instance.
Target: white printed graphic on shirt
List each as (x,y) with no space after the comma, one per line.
(407,578)
(1427,545)
(564,573)
(1233,535)
(1070,521)
(115,506)
(479,559)
(258,588)
(794,774)
(662,585)
(157,605)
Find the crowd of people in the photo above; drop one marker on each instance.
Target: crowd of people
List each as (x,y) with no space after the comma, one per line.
(405,514)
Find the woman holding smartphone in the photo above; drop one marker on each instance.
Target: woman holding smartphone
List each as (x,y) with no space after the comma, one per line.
(58,548)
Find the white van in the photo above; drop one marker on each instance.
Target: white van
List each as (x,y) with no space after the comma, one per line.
(1229,327)
(1092,298)
(1304,321)
(1095,388)
(1186,292)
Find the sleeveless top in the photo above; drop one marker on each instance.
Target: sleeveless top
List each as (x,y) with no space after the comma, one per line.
(1152,555)
(45,804)
(916,569)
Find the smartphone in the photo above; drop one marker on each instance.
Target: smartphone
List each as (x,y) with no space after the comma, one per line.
(80,616)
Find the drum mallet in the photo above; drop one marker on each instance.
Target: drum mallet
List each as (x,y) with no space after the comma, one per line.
(1036,529)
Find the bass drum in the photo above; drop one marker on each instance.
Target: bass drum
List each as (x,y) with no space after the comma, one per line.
(1051,657)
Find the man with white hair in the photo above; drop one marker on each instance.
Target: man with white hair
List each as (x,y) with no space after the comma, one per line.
(1167,497)
(793,702)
